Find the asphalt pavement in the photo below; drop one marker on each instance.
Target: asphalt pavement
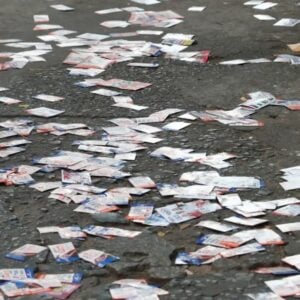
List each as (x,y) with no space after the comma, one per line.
(229,31)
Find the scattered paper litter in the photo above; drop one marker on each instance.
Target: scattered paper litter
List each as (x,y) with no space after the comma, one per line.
(106,92)
(196,8)
(293,260)
(10,151)
(243,61)
(245,249)
(49,98)
(142,182)
(85,72)
(280,270)
(44,112)
(163,19)
(115,24)
(228,200)
(143,65)
(245,221)
(97,257)
(46,186)
(8,100)
(140,212)
(136,289)
(64,253)
(146,2)
(292,178)
(289,227)
(264,17)
(62,7)
(130,106)
(286,22)
(123,84)
(107,11)
(220,240)
(92,54)
(25,251)
(265,5)
(175,126)
(41,18)
(132,8)
(263,296)
(284,287)
(47,27)
(217,226)
(295,47)
(93,36)
(253,2)
(149,32)
(109,232)
(75,177)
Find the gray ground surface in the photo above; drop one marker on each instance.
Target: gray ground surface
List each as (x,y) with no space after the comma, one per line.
(228,29)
